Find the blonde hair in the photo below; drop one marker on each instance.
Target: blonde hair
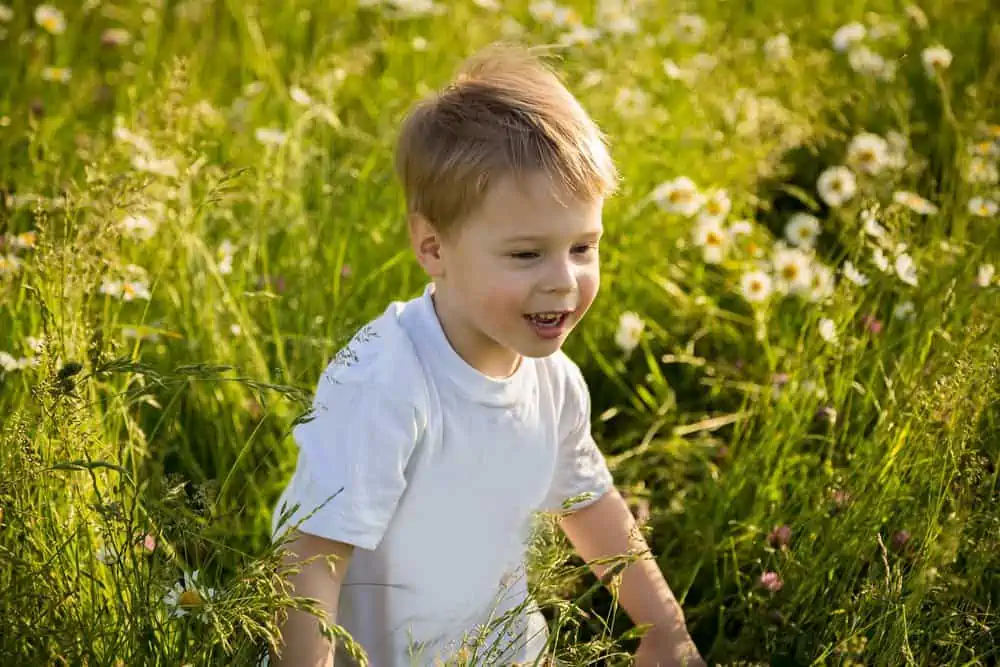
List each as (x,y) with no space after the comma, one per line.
(506,113)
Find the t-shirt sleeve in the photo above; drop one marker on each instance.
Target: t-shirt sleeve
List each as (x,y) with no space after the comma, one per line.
(352,456)
(581,468)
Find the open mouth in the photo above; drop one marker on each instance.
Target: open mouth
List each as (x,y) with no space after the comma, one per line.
(552,319)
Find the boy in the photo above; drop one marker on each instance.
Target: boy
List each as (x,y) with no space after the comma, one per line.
(451,418)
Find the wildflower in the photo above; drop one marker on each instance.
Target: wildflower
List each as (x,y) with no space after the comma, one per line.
(851,273)
(6,14)
(716,207)
(771,581)
(780,536)
(299,96)
(35,344)
(827,330)
(50,19)
(847,36)
(840,498)
(679,196)
(545,11)
(115,37)
(57,74)
(872,324)
(914,202)
(690,28)
(270,136)
(755,286)
(619,22)
(24,241)
(579,34)
(491,5)
(820,282)
(778,48)
(9,264)
(935,58)
(906,269)
(865,61)
(904,310)
(900,539)
(631,102)
(871,225)
(836,185)
(148,543)
(980,170)
(827,413)
(711,238)
(740,228)
(183,598)
(880,260)
(345,271)
(138,142)
(675,72)
(138,227)
(984,276)
(917,15)
(868,152)
(8,362)
(791,266)
(802,230)
(630,328)
(982,207)
(153,165)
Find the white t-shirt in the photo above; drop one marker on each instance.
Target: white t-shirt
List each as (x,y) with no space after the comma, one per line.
(433,471)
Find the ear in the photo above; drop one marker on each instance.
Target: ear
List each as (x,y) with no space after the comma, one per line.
(426,241)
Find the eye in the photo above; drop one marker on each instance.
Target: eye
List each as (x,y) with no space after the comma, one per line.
(527,254)
(585,249)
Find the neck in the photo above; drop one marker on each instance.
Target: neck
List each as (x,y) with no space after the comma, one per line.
(473,346)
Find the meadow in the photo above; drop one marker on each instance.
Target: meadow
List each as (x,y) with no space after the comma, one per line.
(794,359)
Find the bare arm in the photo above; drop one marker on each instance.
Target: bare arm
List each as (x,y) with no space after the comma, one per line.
(606,529)
(302,643)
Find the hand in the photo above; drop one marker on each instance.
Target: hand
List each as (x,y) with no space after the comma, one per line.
(660,650)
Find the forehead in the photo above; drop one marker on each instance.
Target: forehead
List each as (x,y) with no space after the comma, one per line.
(535,205)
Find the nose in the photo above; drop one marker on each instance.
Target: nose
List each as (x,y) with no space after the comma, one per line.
(561,277)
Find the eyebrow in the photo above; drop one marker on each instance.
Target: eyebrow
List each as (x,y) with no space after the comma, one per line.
(534,238)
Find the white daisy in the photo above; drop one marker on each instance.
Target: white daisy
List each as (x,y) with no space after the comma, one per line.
(821,282)
(57,74)
(880,260)
(792,270)
(848,35)
(690,28)
(836,185)
(980,170)
(868,152)
(827,330)
(778,48)
(865,61)
(983,207)
(631,102)
(134,289)
(630,327)
(802,230)
(6,14)
(904,310)
(185,597)
(871,225)
(712,239)
(984,276)
(716,207)
(851,273)
(579,34)
(740,228)
(755,286)
(914,202)
(8,362)
(678,196)
(152,165)
(906,269)
(50,19)
(138,227)
(935,58)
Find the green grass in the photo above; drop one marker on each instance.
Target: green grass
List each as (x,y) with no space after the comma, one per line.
(728,419)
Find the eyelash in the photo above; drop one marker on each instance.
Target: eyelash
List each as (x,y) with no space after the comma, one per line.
(531,254)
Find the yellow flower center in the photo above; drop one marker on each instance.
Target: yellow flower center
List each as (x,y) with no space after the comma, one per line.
(189,598)
(866,156)
(712,238)
(756,286)
(50,23)
(790,271)
(679,196)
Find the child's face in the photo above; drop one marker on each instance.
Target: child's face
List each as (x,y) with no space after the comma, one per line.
(522,256)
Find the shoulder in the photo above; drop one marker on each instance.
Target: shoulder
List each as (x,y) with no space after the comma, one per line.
(566,381)
(380,355)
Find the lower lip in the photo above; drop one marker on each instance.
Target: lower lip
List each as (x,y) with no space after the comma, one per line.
(551,332)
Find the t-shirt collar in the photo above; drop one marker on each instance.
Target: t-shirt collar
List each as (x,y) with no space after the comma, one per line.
(481,387)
